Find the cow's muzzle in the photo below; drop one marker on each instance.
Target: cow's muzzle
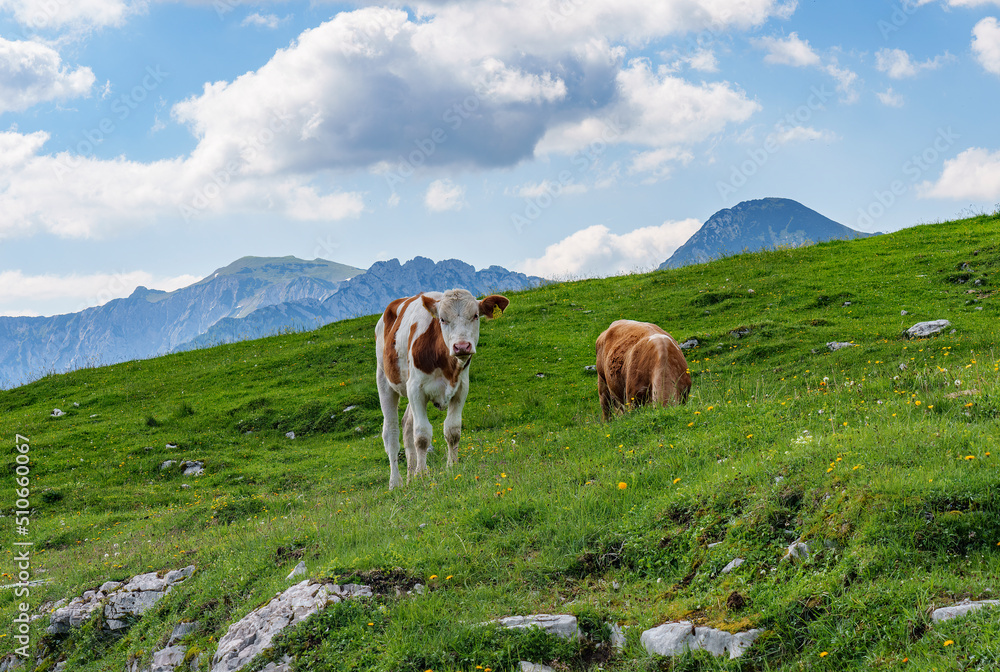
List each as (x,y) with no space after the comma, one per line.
(462,349)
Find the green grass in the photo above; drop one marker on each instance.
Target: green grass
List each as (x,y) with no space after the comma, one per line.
(890,474)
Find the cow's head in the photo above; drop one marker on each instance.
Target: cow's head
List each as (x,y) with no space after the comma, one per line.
(458,315)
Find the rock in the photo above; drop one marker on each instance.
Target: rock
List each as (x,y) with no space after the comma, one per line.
(254,632)
(904,312)
(924,329)
(617,637)
(11,662)
(348,408)
(561,625)
(834,345)
(534,667)
(672,639)
(284,666)
(300,570)
(590,368)
(690,343)
(289,435)
(961,609)
(903,367)
(76,404)
(171,446)
(193,468)
(122,602)
(732,565)
(740,332)
(797,552)
(168,659)
(56,413)
(845,304)
(166,464)
(418,588)
(181,630)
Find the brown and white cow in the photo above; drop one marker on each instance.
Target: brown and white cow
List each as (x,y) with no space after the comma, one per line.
(638,363)
(424,345)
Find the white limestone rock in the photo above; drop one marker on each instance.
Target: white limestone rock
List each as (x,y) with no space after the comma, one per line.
(961,609)
(561,625)
(673,639)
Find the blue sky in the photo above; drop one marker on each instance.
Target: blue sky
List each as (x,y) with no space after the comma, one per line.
(149,142)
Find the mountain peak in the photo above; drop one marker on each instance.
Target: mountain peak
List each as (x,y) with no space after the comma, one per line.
(760,224)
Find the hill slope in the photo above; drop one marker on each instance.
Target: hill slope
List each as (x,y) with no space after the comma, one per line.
(881,458)
(764,224)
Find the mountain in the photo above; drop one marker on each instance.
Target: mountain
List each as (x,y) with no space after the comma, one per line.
(364,294)
(762,224)
(250,298)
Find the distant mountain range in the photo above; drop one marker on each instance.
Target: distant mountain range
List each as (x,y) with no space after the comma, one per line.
(766,223)
(250,298)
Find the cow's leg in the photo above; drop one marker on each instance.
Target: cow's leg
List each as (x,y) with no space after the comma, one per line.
(453,423)
(389,400)
(422,431)
(605,395)
(408,445)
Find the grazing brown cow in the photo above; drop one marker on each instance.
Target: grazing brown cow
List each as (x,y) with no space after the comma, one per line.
(424,345)
(638,363)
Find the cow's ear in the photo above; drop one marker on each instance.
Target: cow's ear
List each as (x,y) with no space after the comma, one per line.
(489,306)
(430,304)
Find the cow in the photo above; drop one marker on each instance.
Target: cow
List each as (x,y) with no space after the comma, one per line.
(424,345)
(639,363)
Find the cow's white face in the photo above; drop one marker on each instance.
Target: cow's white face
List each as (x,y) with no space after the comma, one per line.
(458,314)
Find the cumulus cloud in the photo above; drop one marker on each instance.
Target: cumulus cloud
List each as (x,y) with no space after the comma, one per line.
(796,52)
(658,111)
(597,252)
(787,135)
(95,289)
(898,64)
(986,44)
(890,98)
(74,14)
(82,196)
(32,73)
(788,51)
(444,195)
(972,175)
(457,84)
(258,20)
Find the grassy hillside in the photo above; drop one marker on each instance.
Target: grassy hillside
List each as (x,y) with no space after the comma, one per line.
(881,457)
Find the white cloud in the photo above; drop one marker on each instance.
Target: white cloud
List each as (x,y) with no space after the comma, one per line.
(972,175)
(658,111)
(259,20)
(796,52)
(70,14)
(596,251)
(444,195)
(785,135)
(81,196)
(789,51)
(846,80)
(89,290)
(890,98)
(986,44)
(32,73)
(898,64)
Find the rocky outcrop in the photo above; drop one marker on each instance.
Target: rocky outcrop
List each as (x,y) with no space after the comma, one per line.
(254,632)
(122,602)
(673,639)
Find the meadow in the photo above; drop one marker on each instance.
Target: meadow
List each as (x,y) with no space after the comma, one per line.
(881,457)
